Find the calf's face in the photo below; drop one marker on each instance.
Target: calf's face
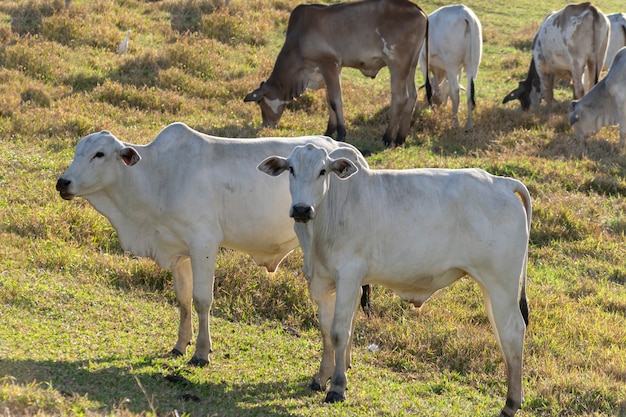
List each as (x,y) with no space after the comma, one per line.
(97,158)
(309,169)
(272,107)
(583,123)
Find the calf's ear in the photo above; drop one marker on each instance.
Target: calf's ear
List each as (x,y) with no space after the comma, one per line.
(130,156)
(343,168)
(273,166)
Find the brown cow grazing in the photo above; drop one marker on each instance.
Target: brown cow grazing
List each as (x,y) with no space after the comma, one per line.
(568,42)
(367,35)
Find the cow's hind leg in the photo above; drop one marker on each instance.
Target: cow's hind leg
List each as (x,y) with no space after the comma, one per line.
(183,288)
(452,75)
(509,327)
(336,121)
(409,106)
(399,102)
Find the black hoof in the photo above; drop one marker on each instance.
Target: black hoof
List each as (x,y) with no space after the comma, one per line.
(195,361)
(315,386)
(176,353)
(334,397)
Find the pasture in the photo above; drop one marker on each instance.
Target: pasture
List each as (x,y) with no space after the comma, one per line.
(85,327)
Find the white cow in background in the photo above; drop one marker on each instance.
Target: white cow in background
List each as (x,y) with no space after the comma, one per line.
(415,231)
(603,105)
(570,42)
(456,44)
(617,38)
(180,198)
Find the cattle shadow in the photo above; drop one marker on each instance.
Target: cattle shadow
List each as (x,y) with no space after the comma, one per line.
(143,389)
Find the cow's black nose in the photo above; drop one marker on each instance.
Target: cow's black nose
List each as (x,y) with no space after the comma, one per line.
(62,184)
(302,213)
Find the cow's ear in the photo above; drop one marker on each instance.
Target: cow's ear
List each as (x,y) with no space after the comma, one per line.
(130,156)
(343,168)
(513,95)
(256,95)
(273,166)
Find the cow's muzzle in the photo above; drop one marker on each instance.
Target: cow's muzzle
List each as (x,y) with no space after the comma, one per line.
(62,186)
(302,213)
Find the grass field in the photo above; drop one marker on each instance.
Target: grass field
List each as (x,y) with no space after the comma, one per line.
(85,327)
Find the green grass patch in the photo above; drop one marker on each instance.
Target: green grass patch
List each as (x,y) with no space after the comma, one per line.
(85,327)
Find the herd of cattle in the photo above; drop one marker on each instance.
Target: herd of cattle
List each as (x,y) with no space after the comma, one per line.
(184,195)
(578,41)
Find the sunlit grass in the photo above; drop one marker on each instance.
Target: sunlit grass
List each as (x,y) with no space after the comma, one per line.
(85,327)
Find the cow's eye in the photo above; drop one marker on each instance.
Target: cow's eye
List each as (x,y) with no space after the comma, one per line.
(322,173)
(291,170)
(98,155)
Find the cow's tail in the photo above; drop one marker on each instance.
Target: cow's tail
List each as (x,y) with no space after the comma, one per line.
(429,89)
(475,56)
(600,45)
(521,190)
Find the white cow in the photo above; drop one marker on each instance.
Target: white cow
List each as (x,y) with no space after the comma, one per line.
(569,42)
(181,197)
(414,231)
(603,105)
(456,44)
(617,38)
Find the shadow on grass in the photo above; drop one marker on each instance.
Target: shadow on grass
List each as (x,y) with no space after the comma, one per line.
(152,385)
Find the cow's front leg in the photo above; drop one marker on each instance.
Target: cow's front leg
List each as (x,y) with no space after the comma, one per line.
(347,295)
(325,312)
(578,83)
(333,96)
(183,288)
(547,90)
(203,266)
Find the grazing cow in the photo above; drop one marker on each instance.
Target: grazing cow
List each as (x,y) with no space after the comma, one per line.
(603,105)
(367,35)
(456,44)
(617,38)
(181,197)
(568,42)
(414,231)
